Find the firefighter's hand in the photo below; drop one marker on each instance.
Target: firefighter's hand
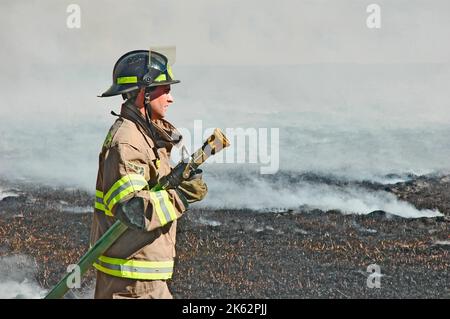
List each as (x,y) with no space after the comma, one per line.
(194,189)
(131,213)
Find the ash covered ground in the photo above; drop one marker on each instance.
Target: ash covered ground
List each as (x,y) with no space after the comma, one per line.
(300,253)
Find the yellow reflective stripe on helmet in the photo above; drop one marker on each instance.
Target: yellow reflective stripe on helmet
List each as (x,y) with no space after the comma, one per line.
(162,76)
(163,207)
(135,269)
(99,203)
(123,187)
(127,79)
(169,71)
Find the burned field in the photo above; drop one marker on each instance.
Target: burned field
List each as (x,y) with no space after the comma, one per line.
(250,254)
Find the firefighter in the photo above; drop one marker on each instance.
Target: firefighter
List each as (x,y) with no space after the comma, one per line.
(134,156)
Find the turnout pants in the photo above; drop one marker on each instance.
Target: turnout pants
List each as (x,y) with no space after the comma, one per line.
(110,287)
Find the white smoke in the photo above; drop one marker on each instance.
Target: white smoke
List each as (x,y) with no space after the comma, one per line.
(17,278)
(7,193)
(265,195)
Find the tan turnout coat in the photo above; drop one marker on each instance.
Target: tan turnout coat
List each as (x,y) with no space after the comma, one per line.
(130,163)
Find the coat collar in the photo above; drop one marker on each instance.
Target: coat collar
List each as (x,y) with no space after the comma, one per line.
(162,132)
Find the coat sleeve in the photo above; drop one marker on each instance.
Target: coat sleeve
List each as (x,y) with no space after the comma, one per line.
(126,172)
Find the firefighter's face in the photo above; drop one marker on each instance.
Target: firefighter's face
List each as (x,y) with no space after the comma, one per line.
(160,98)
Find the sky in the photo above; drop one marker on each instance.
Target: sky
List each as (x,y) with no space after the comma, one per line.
(228,32)
(40,52)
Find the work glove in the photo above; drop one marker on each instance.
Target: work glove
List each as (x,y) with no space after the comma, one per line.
(193,189)
(131,213)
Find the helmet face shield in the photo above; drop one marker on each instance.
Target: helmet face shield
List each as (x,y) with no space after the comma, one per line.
(142,68)
(162,59)
(167,52)
(157,61)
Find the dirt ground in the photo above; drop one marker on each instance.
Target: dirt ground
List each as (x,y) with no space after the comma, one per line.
(250,254)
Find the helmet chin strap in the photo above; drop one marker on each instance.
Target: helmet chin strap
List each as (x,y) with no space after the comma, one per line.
(148,112)
(148,108)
